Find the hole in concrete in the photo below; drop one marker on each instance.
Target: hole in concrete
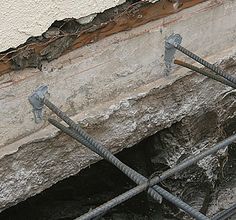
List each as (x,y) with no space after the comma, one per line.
(101,182)
(91,187)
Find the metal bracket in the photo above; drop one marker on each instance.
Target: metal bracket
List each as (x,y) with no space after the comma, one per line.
(37,101)
(171,42)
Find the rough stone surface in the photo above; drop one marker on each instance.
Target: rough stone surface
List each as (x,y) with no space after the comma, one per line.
(117,90)
(209,185)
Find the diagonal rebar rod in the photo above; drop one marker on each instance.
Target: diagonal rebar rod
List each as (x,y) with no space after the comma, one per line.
(206,73)
(168,196)
(172,43)
(140,188)
(38,99)
(98,147)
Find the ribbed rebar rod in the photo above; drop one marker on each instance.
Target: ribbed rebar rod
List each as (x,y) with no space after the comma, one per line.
(205,63)
(168,196)
(226,213)
(206,73)
(140,188)
(106,154)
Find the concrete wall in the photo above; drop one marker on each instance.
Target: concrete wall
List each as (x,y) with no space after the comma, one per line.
(20,20)
(116,89)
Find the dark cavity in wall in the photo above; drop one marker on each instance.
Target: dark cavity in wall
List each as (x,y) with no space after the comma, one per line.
(61,35)
(93,186)
(101,182)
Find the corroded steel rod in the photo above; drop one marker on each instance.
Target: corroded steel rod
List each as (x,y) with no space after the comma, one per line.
(173,42)
(206,73)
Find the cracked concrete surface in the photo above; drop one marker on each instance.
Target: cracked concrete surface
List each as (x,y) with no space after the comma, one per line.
(117,90)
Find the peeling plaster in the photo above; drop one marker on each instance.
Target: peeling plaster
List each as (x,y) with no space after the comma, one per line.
(23,19)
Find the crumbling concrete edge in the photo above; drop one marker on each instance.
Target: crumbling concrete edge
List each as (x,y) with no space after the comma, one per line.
(33,161)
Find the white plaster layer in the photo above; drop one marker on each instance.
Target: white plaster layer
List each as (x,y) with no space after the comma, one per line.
(20,20)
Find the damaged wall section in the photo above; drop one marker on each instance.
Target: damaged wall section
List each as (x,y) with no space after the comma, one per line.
(117,91)
(208,186)
(23,19)
(71,33)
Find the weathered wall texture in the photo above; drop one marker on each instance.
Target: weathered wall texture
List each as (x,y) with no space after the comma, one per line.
(116,89)
(23,19)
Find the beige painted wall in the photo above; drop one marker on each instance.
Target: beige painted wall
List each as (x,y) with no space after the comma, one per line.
(20,19)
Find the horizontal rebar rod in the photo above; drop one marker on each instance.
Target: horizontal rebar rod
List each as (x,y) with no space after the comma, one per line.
(205,63)
(140,188)
(206,73)
(226,213)
(168,196)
